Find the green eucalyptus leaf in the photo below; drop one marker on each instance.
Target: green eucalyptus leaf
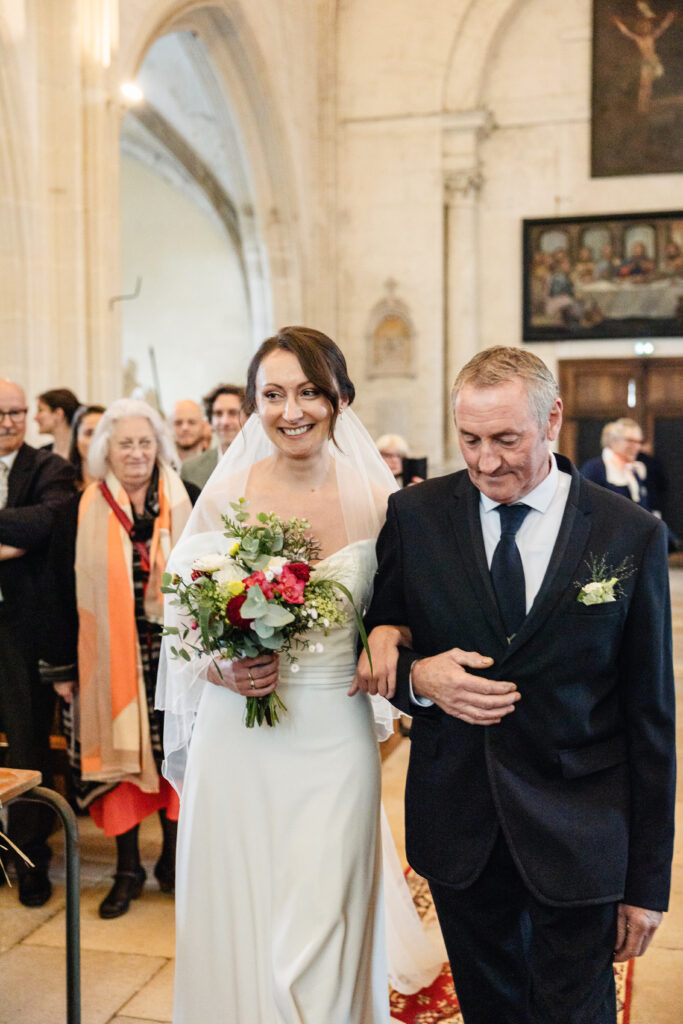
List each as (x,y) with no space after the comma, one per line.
(255,604)
(273,643)
(204,614)
(276,615)
(262,629)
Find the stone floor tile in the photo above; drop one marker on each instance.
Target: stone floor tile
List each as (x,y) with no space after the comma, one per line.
(154,1002)
(32,982)
(18,922)
(658,988)
(139,1020)
(669,935)
(148,928)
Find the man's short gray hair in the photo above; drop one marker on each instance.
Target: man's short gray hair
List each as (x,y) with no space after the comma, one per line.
(123,409)
(501,364)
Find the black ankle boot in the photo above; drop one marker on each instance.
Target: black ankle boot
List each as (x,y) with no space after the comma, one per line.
(127,886)
(164,872)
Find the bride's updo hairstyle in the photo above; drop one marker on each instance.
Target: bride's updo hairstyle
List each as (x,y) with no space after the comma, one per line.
(321,360)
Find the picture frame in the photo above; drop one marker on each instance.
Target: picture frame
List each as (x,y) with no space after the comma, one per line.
(637,85)
(605,276)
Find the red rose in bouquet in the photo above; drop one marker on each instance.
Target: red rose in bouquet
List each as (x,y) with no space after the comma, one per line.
(300,570)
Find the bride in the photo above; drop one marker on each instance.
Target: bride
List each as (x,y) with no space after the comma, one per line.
(279,883)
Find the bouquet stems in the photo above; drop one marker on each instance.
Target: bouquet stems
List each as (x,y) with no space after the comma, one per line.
(263,709)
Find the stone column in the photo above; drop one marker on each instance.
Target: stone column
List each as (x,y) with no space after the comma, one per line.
(102,113)
(463,179)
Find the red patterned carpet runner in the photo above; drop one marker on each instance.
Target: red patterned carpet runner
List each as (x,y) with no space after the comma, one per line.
(438,1004)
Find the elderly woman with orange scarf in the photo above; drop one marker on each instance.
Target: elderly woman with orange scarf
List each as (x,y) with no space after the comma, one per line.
(128,521)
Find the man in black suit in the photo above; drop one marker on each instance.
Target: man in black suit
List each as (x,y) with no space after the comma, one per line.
(33,485)
(540,792)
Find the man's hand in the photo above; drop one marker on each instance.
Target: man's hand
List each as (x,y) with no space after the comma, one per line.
(473,699)
(635,928)
(383,642)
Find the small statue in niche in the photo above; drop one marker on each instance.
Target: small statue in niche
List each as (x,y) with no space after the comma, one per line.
(390,337)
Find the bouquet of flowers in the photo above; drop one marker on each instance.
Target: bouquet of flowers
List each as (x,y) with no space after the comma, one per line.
(260,596)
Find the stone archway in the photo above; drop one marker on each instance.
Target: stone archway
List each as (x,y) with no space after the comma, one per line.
(270,216)
(479,32)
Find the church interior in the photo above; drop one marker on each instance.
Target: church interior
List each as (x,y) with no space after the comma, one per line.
(180,178)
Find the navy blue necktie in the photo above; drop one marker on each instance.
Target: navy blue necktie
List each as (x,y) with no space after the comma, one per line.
(507,572)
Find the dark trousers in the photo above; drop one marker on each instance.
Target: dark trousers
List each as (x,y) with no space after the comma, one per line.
(26,712)
(516,960)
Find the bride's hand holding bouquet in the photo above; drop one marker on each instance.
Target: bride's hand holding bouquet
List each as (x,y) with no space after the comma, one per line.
(246,605)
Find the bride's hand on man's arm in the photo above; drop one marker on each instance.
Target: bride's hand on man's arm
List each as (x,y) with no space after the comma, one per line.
(252,677)
(384,642)
(7,551)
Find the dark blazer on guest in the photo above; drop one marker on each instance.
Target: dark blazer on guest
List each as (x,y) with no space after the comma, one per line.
(38,484)
(581,775)
(596,471)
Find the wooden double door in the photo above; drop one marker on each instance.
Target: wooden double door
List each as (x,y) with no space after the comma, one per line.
(650,391)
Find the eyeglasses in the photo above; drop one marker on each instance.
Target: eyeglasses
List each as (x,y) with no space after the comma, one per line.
(15,415)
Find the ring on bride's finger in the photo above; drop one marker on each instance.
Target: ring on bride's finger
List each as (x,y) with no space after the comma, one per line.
(251,680)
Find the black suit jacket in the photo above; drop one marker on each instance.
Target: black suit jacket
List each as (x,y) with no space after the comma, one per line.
(581,775)
(38,485)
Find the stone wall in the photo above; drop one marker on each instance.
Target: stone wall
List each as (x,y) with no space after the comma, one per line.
(394,149)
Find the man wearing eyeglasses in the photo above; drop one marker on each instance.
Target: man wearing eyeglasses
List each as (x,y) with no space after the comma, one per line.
(34,483)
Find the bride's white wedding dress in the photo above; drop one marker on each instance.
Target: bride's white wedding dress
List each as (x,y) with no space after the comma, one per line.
(279,904)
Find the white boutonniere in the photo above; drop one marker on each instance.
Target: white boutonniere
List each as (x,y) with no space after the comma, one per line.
(605,583)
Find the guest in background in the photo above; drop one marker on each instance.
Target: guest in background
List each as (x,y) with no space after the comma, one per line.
(82,430)
(617,467)
(223,406)
(127,524)
(188,429)
(34,484)
(394,450)
(657,482)
(56,410)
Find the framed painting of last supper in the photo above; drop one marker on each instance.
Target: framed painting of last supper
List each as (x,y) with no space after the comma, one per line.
(612,276)
(637,101)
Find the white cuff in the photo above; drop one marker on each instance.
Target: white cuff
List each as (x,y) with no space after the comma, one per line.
(422,702)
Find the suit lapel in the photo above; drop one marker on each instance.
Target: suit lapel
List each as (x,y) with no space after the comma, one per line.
(466,526)
(567,553)
(19,477)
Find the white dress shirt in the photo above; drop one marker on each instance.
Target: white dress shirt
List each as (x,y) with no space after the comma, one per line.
(535,538)
(537,535)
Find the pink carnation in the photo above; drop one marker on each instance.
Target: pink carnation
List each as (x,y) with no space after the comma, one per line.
(258,579)
(290,587)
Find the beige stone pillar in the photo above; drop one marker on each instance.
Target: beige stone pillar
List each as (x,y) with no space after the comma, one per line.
(101,115)
(463,179)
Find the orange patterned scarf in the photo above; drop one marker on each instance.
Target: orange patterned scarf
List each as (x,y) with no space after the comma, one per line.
(115,740)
